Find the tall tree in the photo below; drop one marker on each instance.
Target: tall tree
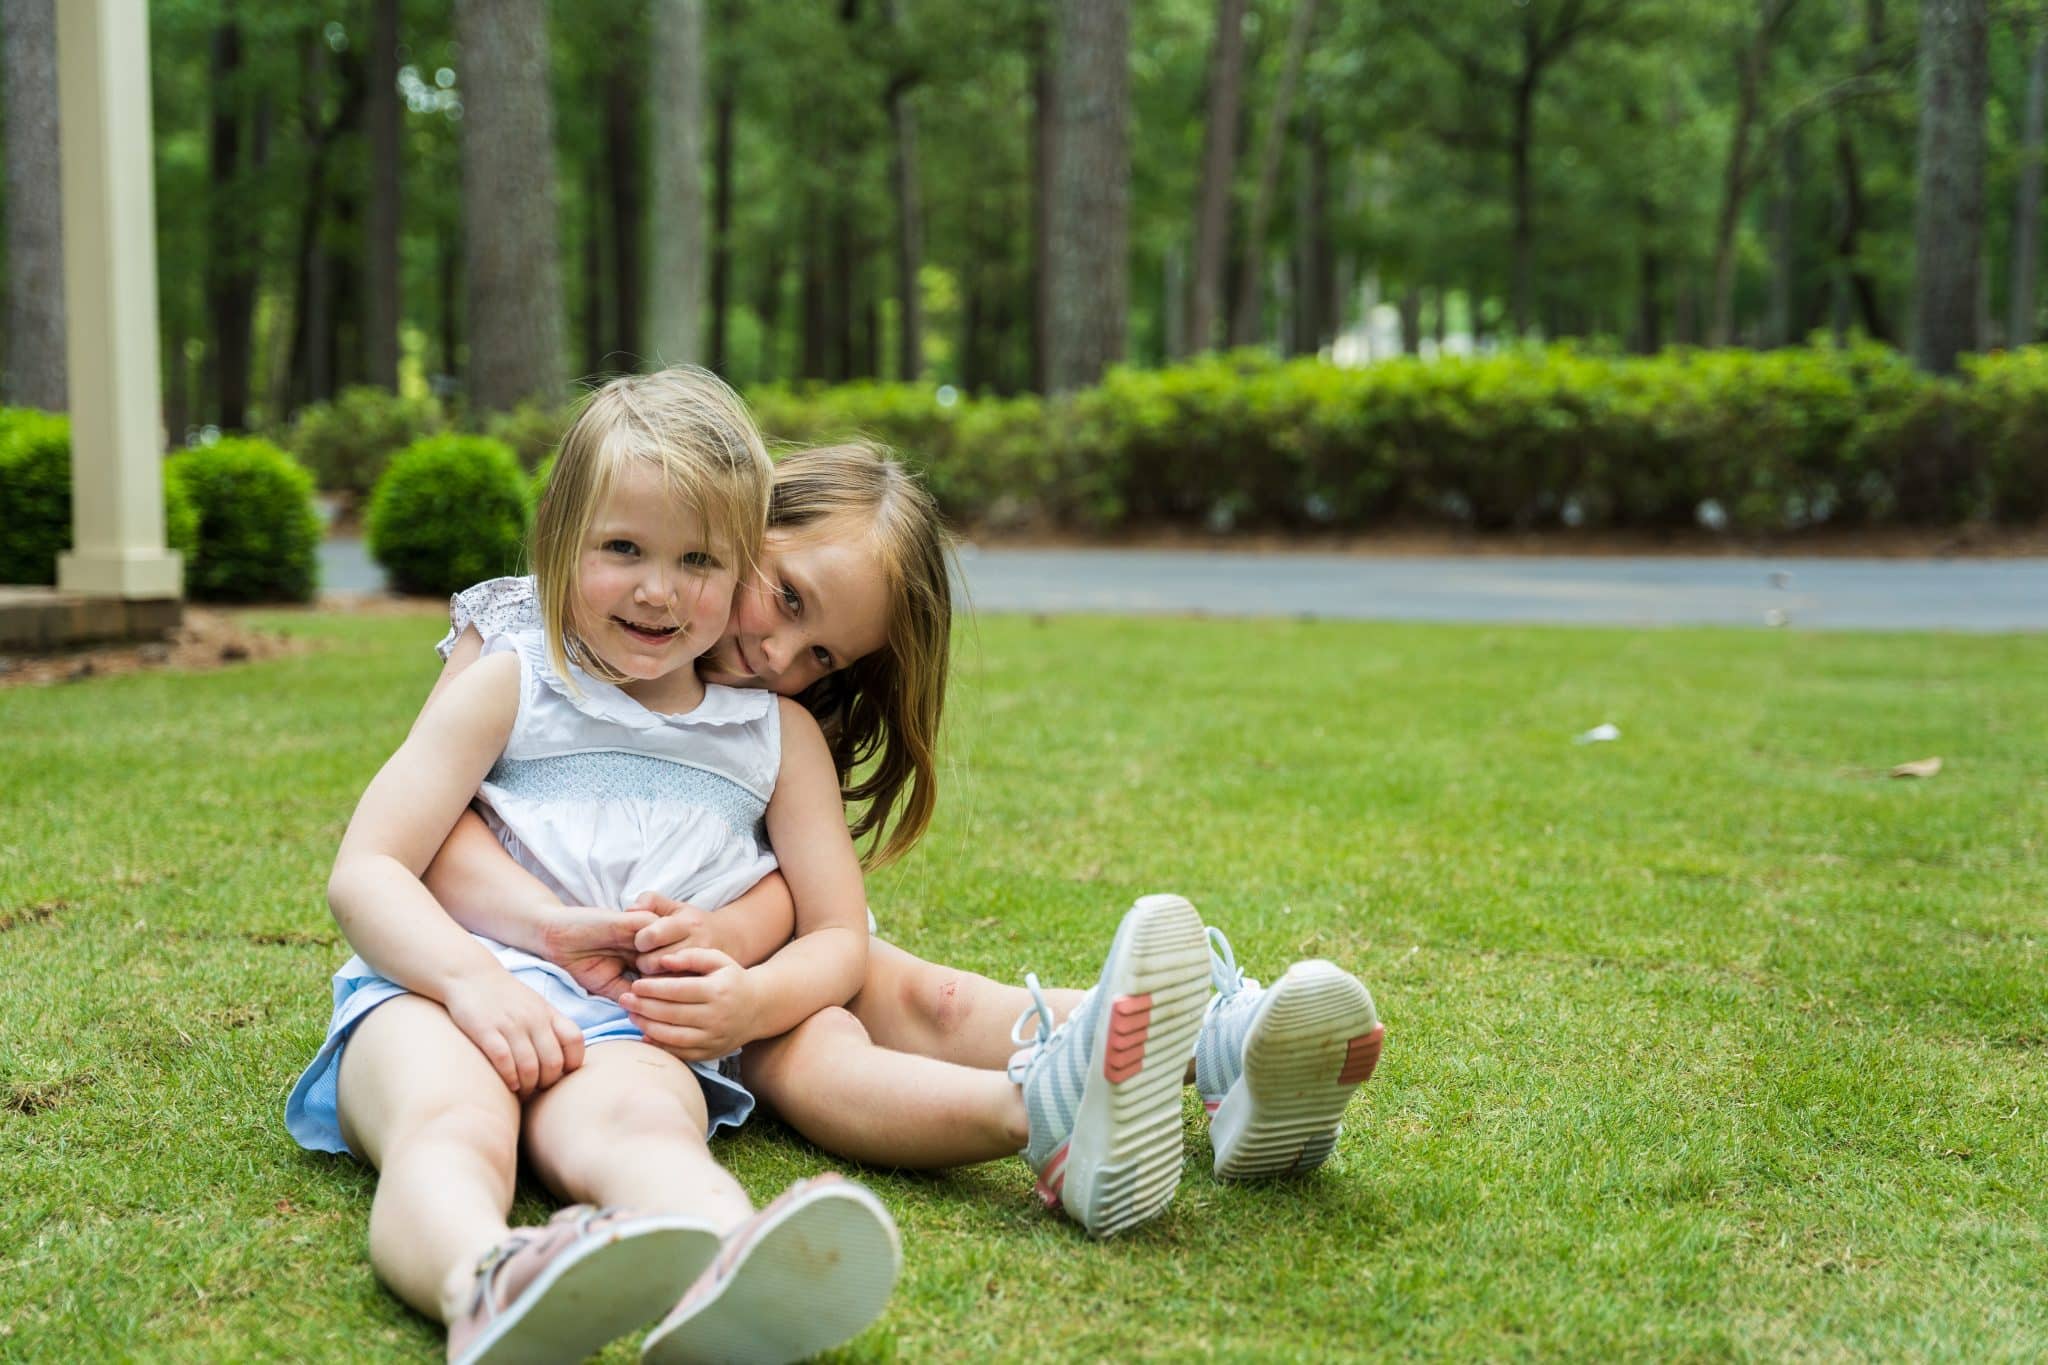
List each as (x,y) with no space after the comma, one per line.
(626,179)
(1948,215)
(514,282)
(725,108)
(676,288)
(1219,171)
(903,179)
(2026,212)
(1042,148)
(381,230)
(1739,171)
(1089,209)
(1542,36)
(1244,317)
(32,339)
(230,261)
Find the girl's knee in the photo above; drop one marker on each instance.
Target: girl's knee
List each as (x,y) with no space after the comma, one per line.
(479,1124)
(814,1043)
(938,998)
(833,1024)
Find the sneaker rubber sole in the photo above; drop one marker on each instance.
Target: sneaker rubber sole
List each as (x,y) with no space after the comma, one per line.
(812,1276)
(597,1291)
(1315,1040)
(1124,1156)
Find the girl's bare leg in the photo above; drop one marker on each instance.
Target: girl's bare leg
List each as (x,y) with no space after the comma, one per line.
(830,1081)
(910,1005)
(627,1129)
(423,1106)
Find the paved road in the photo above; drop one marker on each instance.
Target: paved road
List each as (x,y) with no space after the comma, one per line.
(1958,594)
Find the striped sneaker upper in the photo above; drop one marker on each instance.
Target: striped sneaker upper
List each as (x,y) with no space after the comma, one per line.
(1219,1047)
(1052,1069)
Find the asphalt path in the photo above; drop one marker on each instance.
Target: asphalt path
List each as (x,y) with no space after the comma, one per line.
(1827,594)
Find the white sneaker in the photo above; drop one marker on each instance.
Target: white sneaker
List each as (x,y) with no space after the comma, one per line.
(1276,1066)
(1102,1091)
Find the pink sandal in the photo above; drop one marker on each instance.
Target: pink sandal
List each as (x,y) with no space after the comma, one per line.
(806,1273)
(561,1291)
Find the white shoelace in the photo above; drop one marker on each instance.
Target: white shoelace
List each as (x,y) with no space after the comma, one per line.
(1031,1041)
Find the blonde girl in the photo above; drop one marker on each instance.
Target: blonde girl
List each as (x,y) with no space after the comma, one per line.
(601,762)
(850,611)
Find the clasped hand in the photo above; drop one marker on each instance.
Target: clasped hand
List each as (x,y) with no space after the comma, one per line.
(658,962)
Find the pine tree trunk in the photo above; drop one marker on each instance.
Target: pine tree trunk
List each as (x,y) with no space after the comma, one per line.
(909,217)
(2026,213)
(32,329)
(1244,318)
(721,224)
(1219,172)
(1089,266)
(1785,245)
(230,280)
(626,174)
(1042,148)
(1948,218)
(675,289)
(380,247)
(514,282)
(595,320)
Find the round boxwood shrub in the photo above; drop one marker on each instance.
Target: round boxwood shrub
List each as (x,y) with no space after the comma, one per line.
(449,512)
(259,536)
(35,498)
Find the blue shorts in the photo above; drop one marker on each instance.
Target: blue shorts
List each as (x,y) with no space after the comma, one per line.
(312,1113)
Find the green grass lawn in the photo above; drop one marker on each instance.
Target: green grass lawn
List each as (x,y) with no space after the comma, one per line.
(1706,1043)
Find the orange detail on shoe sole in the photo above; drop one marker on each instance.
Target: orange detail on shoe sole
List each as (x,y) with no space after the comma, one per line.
(1362,1056)
(1123,1053)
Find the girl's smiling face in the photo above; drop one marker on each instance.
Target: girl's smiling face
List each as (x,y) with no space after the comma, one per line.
(652,592)
(819,601)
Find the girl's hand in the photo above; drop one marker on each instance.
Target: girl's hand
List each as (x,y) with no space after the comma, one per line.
(700,1014)
(594,946)
(527,1041)
(678,926)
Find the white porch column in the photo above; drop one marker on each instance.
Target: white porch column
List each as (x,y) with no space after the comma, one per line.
(117,492)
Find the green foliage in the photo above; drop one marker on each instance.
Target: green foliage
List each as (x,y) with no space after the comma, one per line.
(35,494)
(258,533)
(450,510)
(1759,441)
(532,430)
(347,443)
(35,498)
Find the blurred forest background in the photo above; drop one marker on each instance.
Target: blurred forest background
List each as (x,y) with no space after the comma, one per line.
(486,198)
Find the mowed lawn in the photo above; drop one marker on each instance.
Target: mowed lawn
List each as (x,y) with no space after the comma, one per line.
(1712,1042)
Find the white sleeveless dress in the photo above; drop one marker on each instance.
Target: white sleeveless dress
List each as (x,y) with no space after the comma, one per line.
(600,799)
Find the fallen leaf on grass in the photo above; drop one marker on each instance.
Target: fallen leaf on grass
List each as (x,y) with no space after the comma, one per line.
(1919,767)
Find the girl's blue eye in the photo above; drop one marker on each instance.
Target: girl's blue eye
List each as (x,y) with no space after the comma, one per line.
(792,600)
(701,559)
(620,547)
(823,656)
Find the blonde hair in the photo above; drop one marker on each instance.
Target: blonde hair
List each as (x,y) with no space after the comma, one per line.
(881,711)
(686,424)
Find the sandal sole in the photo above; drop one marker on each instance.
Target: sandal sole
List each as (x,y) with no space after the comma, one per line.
(810,1280)
(597,1291)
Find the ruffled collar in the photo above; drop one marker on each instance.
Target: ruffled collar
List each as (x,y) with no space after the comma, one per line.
(604,701)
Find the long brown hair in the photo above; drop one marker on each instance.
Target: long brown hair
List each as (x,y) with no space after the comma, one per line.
(880,714)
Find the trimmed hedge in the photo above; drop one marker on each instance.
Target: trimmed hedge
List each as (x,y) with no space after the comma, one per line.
(35,498)
(1755,441)
(449,512)
(259,535)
